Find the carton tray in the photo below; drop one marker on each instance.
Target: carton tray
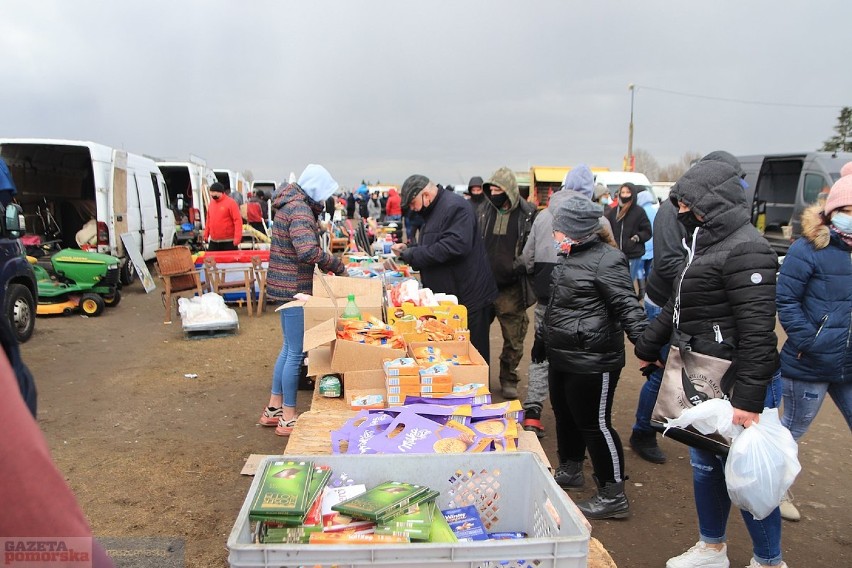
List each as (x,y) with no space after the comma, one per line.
(512,491)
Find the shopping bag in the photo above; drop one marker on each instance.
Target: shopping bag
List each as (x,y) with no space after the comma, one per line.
(689,379)
(762,464)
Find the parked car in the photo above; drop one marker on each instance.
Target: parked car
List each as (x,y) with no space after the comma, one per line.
(18,291)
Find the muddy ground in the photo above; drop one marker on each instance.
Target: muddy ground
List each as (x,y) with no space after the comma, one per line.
(151,453)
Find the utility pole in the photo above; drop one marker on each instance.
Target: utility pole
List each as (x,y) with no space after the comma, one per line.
(630,162)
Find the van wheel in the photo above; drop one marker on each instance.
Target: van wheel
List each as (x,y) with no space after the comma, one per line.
(112,300)
(20,309)
(92,304)
(128,272)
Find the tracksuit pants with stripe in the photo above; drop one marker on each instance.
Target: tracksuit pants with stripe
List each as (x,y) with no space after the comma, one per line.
(582,404)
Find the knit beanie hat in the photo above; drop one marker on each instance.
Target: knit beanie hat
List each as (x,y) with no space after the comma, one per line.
(411,187)
(577,217)
(840,195)
(474,181)
(846,169)
(317,183)
(581,180)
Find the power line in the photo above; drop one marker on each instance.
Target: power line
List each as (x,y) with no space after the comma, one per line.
(733,100)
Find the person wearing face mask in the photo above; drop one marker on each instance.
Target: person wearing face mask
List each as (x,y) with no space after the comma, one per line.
(474,190)
(814,301)
(449,253)
(631,227)
(505,221)
(224,228)
(723,305)
(592,304)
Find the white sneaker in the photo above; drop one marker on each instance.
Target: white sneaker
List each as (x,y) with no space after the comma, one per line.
(701,556)
(788,509)
(755,564)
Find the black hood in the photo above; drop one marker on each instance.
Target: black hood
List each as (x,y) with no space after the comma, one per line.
(712,190)
(726,157)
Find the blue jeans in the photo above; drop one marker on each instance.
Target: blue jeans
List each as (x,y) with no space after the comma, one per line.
(648,394)
(713,503)
(285,375)
(803,399)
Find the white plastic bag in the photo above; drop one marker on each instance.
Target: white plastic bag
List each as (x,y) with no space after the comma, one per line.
(762,464)
(714,415)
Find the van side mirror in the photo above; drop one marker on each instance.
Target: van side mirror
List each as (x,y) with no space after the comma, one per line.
(14,220)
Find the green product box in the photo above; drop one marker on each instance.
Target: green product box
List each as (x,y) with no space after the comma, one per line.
(383,501)
(284,490)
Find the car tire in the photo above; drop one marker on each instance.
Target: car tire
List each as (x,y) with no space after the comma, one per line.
(20,308)
(128,272)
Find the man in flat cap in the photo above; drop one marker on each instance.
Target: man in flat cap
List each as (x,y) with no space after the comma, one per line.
(449,254)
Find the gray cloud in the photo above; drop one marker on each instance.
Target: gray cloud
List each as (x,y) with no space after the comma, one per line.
(382,89)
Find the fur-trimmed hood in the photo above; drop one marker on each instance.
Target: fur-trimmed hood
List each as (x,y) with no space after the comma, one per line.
(813,228)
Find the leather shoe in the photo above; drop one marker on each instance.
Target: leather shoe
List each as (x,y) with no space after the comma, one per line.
(645,444)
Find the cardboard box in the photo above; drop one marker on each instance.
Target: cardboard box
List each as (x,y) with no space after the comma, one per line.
(347,356)
(362,383)
(330,294)
(453,315)
(461,374)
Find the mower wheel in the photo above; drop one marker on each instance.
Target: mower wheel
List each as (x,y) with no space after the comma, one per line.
(113,300)
(20,308)
(92,304)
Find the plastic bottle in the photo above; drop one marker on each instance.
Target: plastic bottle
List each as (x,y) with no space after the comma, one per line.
(388,244)
(351,312)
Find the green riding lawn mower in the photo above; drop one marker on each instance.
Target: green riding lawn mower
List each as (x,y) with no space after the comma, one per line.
(73,279)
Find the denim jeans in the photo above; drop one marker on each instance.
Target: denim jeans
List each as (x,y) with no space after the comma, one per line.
(803,399)
(648,394)
(285,375)
(714,505)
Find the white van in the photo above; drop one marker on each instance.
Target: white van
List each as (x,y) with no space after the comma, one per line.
(189,190)
(268,186)
(65,184)
(614,180)
(235,181)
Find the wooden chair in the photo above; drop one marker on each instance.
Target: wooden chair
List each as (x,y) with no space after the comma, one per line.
(259,274)
(179,276)
(218,279)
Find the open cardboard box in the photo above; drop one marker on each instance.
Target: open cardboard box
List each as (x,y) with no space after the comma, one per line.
(344,356)
(477,372)
(330,294)
(453,315)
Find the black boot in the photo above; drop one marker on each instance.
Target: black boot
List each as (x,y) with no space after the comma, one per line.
(609,502)
(645,444)
(569,475)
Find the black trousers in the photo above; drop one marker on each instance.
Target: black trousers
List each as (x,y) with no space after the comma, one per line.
(582,404)
(479,324)
(221,245)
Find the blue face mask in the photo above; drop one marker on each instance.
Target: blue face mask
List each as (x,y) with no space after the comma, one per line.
(842,222)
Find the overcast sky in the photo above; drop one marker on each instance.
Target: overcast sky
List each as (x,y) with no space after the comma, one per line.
(447,88)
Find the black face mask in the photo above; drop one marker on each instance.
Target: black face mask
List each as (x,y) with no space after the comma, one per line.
(627,199)
(690,221)
(477,197)
(216,197)
(499,199)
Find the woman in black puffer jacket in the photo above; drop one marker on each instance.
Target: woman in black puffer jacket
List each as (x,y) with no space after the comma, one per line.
(723,304)
(591,305)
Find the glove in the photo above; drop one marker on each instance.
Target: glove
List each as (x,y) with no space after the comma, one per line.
(635,238)
(539,351)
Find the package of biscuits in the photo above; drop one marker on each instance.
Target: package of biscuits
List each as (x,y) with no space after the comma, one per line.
(510,409)
(440,413)
(401,367)
(411,433)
